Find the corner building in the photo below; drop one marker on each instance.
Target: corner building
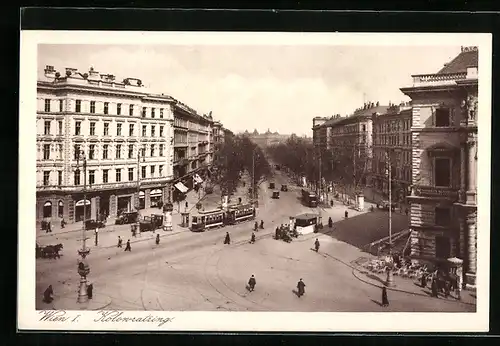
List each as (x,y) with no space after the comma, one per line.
(111,122)
(444,163)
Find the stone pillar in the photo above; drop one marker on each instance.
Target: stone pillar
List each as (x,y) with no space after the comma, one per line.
(471,181)
(461,238)
(113,205)
(471,250)
(55,208)
(71,209)
(463,171)
(93,208)
(147,198)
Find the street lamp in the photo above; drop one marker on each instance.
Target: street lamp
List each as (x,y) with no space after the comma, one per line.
(138,203)
(390,277)
(83,267)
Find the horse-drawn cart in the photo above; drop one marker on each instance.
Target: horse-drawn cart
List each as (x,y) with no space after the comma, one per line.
(49,251)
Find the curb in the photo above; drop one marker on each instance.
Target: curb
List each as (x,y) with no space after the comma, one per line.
(142,240)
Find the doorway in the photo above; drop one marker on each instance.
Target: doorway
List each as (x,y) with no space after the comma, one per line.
(124,204)
(443,247)
(47,209)
(79,210)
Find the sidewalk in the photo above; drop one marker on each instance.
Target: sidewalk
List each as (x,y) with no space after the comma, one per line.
(405,285)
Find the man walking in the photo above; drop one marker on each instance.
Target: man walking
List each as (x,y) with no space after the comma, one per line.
(96,232)
(251,283)
(227,239)
(127,247)
(252,239)
(120,241)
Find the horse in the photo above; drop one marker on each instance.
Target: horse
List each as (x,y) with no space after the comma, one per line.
(52,251)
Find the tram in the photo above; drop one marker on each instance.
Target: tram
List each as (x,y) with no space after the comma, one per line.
(216,218)
(207,219)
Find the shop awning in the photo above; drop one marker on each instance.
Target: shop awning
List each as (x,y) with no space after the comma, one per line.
(197,179)
(156,193)
(181,187)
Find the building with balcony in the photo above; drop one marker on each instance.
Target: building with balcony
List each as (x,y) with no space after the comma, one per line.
(444,163)
(193,148)
(110,122)
(392,147)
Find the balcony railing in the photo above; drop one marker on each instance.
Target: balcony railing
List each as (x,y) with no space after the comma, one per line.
(434,191)
(438,78)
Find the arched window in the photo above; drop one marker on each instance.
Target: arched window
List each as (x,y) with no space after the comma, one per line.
(60,209)
(47,209)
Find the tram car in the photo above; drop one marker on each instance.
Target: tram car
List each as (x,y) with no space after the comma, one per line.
(204,220)
(239,213)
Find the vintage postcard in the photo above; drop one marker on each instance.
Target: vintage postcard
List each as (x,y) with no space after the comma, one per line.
(202,181)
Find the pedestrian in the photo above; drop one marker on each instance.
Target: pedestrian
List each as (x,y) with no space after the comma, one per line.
(90,289)
(157,239)
(434,288)
(63,223)
(227,239)
(316,245)
(251,283)
(120,241)
(261,224)
(133,229)
(277,233)
(96,236)
(385,300)
(127,247)
(406,211)
(256,226)
(423,280)
(47,295)
(330,222)
(252,239)
(346,214)
(301,288)
(447,289)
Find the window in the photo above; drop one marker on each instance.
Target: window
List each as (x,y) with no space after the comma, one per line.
(46,178)
(364,128)
(105,175)
(46,127)
(152,112)
(152,130)
(77,177)
(78,126)
(152,171)
(59,178)
(92,128)
(78,106)
(91,151)
(60,209)
(130,174)
(143,172)
(60,127)
(106,107)
(77,151)
(47,105)
(106,129)
(161,113)
(443,248)
(131,129)
(193,165)
(143,112)
(46,151)
(91,177)
(161,131)
(161,149)
(442,216)
(118,151)
(442,172)
(442,117)
(61,103)
(130,151)
(118,129)
(105,151)
(160,170)
(143,130)
(152,150)
(118,108)
(131,110)
(118,175)
(92,106)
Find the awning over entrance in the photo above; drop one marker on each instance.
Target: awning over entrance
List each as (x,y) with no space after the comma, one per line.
(156,193)
(80,202)
(197,179)
(181,187)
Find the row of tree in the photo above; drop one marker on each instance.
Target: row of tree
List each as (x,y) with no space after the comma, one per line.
(345,166)
(235,156)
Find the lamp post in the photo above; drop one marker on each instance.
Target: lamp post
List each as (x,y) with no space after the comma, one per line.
(83,267)
(138,204)
(390,277)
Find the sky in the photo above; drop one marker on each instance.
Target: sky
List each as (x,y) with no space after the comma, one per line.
(280,88)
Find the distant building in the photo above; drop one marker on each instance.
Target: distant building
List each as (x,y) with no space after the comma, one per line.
(392,140)
(266,139)
(444,158)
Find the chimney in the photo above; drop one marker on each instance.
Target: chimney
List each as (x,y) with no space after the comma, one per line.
(378,103)
(49,71)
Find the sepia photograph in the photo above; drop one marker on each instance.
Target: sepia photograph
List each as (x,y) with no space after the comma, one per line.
(233,173)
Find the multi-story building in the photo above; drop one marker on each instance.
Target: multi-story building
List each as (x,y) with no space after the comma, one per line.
(193,153)
(322,131)
(444,163)
(266,139)
(109,123)
(349,144)
(218,138)
(392,146)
